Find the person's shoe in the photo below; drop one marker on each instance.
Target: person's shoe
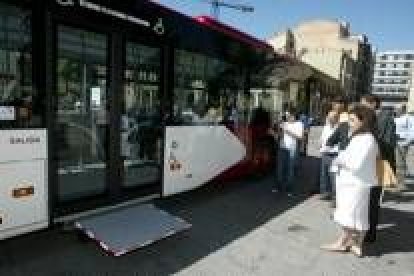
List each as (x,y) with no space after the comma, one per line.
(335,248)
(356,250)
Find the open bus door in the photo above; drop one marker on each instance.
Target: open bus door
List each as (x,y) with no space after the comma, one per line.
(108,142)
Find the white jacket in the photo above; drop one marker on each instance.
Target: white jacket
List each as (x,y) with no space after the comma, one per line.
(357,163)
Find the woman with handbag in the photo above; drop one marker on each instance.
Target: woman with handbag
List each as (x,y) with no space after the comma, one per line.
(356,174)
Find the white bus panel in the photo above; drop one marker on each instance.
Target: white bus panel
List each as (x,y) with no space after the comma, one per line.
(23,182)
(196,154)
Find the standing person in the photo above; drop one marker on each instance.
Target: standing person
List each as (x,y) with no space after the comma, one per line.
(356,175)
(387,141)
(306,121)
(291,134)
(385,129)
(341,136)
(404,125)
(328,154)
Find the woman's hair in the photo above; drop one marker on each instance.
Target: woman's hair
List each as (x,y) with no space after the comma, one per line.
(367,117)
(339,100)
(372,100)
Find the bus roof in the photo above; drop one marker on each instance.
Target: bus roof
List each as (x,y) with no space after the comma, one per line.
(232,32)
(215,25)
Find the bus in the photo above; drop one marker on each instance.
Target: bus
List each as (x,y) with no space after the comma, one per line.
(104,103)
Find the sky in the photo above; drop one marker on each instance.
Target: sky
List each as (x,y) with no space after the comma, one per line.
(389,24)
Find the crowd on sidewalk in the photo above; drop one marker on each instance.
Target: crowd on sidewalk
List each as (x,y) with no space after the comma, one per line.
(363,152)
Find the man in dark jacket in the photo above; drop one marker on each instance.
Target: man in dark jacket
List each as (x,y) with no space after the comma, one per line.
(387,142)
(341,136)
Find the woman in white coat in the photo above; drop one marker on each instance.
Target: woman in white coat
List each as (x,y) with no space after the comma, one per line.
(356,174)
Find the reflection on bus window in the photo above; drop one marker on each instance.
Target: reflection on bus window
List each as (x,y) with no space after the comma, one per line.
(141,129)
(19,104)
(208,91)
(81,94)
(81,121)
(269,98)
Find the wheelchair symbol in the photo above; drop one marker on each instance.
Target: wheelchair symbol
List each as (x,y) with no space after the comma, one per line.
(159,27)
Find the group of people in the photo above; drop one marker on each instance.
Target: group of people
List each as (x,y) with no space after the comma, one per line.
(356,138)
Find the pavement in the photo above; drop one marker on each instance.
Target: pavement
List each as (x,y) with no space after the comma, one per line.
(238,229)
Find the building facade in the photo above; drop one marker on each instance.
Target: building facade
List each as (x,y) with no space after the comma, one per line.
(329,47)
(393,77)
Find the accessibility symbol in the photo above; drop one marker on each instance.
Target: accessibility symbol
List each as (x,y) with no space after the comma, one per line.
(159,27)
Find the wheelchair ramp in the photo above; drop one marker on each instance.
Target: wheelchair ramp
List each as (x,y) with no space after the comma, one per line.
(121,231)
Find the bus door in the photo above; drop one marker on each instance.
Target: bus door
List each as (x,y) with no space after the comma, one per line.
(141,126)
(83,124)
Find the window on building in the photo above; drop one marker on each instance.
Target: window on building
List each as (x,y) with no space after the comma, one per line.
(394,65)
(383,65)
(396,57)
(407,65)
(381,73)
(409,57)
(405,73)
(384,57)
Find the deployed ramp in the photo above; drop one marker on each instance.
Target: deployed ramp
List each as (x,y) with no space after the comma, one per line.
(121,231)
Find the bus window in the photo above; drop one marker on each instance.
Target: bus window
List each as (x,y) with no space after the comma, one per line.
(19,104)
(207,90)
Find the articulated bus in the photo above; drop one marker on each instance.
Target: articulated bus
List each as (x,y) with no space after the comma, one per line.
(103,103)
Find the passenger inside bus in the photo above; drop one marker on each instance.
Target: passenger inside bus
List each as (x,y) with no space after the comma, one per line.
(212,115)
(140,133)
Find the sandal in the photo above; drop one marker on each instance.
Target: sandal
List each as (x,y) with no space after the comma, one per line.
(356,250)
(335,248)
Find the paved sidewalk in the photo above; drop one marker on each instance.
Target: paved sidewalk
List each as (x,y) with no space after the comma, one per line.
(288,245)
